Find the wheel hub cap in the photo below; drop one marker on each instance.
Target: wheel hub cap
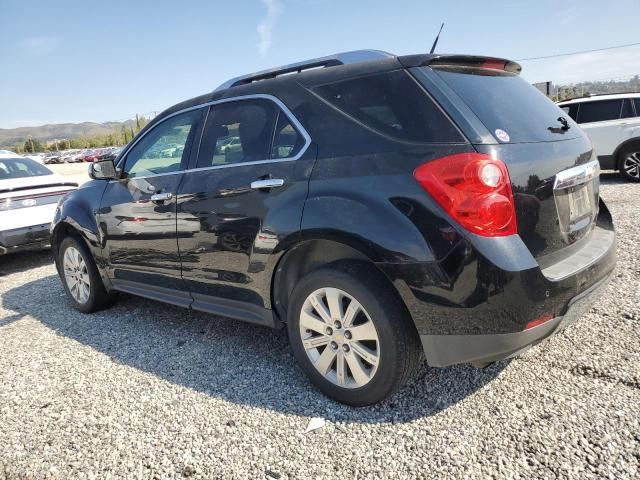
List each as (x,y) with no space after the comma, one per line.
(339,338)
(631,164)
(76,275)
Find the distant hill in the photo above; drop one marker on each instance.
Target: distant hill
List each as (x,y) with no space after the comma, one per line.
(44,133)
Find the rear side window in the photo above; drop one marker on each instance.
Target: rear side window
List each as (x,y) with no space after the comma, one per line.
(504,101)
(247,131)
(599,111)
(392,104)
(637,100)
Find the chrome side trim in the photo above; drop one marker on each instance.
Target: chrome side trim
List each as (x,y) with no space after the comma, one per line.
(577,175)
(276,100)
(344,58)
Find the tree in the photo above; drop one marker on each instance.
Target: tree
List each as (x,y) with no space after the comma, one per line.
(32,146)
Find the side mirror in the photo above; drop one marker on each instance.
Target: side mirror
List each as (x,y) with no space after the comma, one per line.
(103,170)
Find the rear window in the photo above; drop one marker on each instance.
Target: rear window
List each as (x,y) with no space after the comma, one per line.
(504,101)
(599,111)
(20,168)
(392,104)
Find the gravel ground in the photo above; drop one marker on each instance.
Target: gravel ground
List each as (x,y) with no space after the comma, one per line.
(145,390)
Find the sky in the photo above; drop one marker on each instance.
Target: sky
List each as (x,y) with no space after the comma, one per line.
(74,61)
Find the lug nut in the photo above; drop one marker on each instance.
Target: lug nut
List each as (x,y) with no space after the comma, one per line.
(345,347)
(347,335)
(338,325)
(329,331)
(334,345)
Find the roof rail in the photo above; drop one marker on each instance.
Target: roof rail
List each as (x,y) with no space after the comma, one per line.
(345,58)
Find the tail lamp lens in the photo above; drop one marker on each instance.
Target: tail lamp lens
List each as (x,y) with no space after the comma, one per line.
(474,189)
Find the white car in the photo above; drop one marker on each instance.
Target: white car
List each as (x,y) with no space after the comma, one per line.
(612,121)
(29,193)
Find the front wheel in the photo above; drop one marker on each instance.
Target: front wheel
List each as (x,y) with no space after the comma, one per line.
(80,277)
(351,334)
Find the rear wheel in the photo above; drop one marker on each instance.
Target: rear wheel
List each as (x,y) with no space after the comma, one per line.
(351,334)
(630,165)
(80,277)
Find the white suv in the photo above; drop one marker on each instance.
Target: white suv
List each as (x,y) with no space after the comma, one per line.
(612,121)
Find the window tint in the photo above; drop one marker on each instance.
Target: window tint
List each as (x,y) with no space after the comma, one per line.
(637,101)
(571,110)
(163,148)
(287,141)
(20,168)
(627,108)
(599,111)
(393,104)
(238,132)
(507,102)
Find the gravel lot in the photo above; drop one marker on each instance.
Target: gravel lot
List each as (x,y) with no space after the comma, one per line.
(146,390)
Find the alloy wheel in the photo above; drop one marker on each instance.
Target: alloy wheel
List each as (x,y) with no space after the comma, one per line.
(631,164)
(339,338)
(76,275)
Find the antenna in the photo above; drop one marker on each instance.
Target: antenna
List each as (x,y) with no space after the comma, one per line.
(435,42)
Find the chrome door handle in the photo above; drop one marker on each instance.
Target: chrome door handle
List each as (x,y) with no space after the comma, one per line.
(267,183)
(161,197)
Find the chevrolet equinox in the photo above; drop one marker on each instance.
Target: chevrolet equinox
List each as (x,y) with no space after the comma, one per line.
(375,206)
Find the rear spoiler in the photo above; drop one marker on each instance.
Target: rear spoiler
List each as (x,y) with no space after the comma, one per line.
(469,61)
(35,187)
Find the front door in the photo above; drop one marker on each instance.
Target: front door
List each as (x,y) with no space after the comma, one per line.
(138,212)
(241,201)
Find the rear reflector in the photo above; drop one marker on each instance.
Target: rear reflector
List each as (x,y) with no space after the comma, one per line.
(539,321)
(474,189)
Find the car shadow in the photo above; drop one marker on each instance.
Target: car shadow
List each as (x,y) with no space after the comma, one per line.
(222,358)
(26,260)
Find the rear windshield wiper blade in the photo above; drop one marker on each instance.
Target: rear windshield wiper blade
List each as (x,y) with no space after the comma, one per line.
(562,129)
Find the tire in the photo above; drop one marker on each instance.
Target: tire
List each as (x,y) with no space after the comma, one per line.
(630,164)
(88,295)
(394,355)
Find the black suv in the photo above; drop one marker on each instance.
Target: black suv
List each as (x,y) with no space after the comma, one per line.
(376,206)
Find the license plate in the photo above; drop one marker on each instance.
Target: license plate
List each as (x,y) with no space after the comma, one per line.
(579,204)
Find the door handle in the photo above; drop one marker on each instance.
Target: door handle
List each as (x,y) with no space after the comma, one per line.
(161,197)
(267,183)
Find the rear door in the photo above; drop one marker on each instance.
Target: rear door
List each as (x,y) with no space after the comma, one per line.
(601,119)
(138,212)
(240,202)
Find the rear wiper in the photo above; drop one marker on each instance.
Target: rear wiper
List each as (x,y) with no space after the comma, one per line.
(562,129)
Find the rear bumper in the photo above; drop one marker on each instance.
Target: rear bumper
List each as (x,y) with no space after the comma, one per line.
(445,350)
(34,236)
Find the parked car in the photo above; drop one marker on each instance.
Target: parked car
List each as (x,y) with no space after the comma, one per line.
(70,156)
(29,192)
(612,122)
(53,157)
(379,207)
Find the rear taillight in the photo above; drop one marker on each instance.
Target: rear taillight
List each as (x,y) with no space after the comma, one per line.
(474,189)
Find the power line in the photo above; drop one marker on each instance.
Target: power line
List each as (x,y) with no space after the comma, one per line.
(578,53)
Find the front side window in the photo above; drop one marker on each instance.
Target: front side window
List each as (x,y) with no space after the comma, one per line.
(637,101)
(599,111)
(163,148)
(247,131)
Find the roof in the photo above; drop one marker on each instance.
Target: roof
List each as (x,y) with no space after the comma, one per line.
(601,96)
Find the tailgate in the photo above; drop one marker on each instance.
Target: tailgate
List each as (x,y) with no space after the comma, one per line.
(555,187)
(551,163)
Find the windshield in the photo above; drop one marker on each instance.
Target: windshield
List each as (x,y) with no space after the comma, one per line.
(20,168)
(506,104)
